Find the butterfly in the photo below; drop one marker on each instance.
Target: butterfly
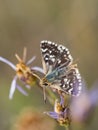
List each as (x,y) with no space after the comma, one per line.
(60,74)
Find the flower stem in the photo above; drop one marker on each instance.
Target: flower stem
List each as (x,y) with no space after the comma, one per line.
(68,127)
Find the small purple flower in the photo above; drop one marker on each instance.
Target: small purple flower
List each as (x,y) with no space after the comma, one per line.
(61,113)
(25,73)
(83,106)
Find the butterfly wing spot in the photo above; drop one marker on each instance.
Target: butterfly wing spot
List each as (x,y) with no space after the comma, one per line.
(44,41)
(53,43)
(53,60)
(52,56)
(71,84)
(46,58)
(50,52)
(70,91)
(49,42)
(59,61)
(44,50)
(61,47)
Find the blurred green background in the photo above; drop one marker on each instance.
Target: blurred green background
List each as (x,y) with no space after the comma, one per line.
(74,23)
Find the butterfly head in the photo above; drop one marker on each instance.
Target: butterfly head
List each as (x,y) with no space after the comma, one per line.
(44,82)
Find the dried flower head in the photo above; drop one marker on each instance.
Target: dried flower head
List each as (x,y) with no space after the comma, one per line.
(61,113)
(83,106)
(30,120)
(24,73)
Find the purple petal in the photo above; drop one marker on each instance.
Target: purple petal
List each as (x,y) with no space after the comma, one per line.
(80,106)
(62,100)
(54,115)
(8,63)
(27,86)
(21,90)
(84,86)
(39,69)
(94,94)
(13,87)
(65,110)
(31,60)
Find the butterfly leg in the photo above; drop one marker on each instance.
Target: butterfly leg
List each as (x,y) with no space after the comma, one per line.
(44,92)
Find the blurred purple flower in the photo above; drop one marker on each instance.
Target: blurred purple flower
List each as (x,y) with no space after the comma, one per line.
(61,113)
(23,72)
(82,106)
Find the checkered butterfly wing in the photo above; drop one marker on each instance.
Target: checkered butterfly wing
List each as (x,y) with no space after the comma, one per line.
(71,83)
(57,58)
(54,56)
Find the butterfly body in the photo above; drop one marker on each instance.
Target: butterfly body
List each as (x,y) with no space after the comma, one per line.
(61,75)
(54,75)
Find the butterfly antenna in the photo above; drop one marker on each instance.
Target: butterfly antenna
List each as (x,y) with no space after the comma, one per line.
(75,61)
(44,91)
(74,65)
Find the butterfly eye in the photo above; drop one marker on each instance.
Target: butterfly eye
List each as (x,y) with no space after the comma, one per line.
(45,84)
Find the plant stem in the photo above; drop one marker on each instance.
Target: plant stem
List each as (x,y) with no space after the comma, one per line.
(68,127)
